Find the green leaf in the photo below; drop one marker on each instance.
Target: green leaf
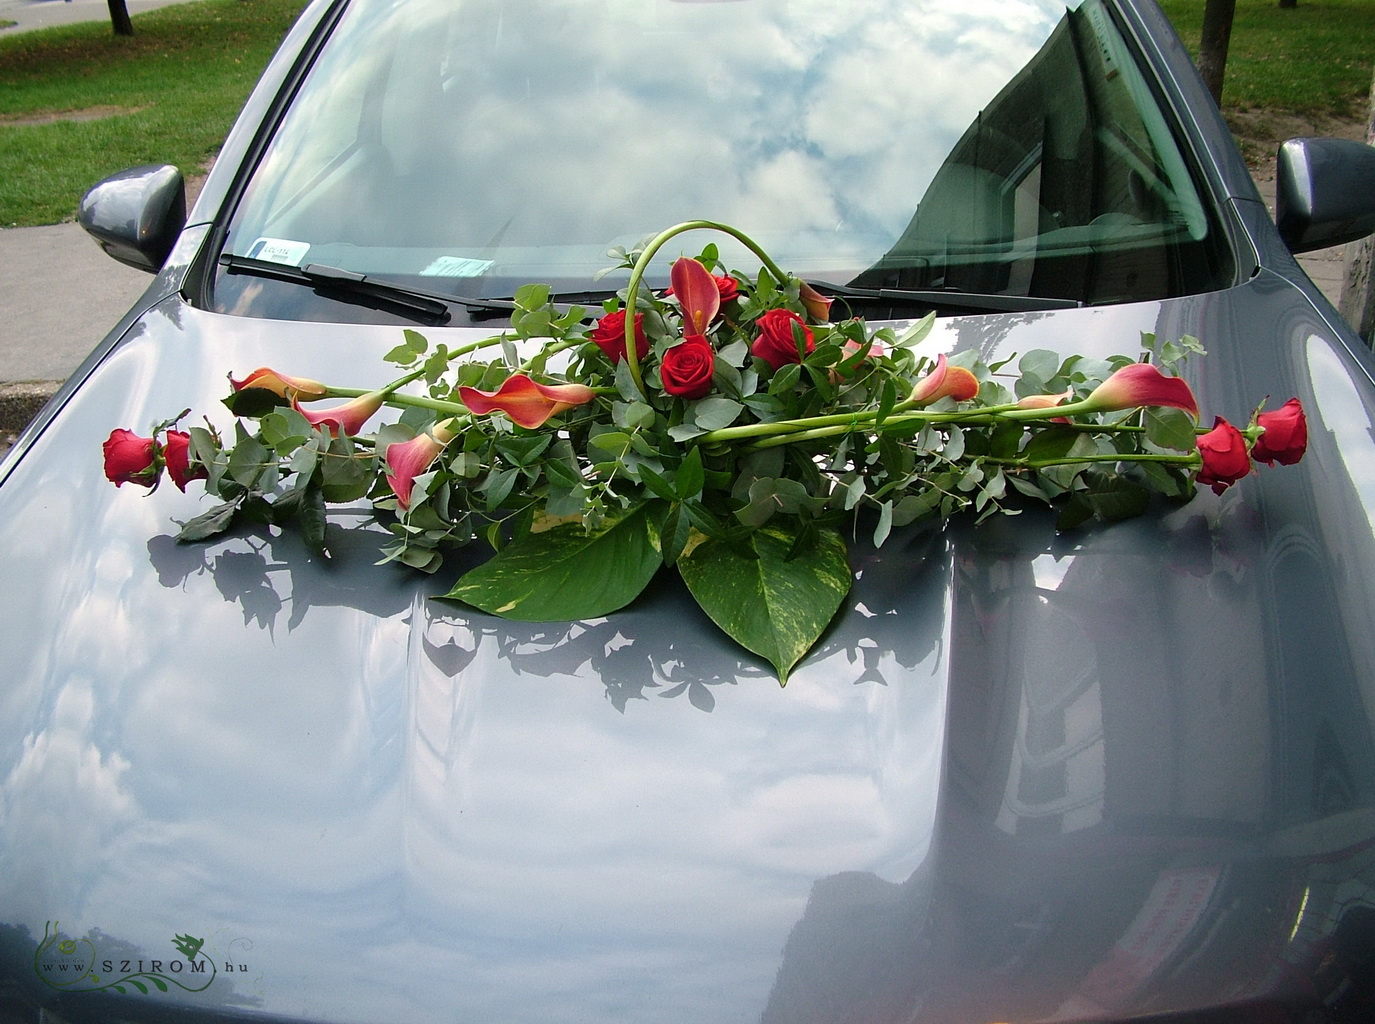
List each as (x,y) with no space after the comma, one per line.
(1170,428)
(565,573)
(1040,363)
(345,475)
(209,524)
(691,476)
(1051,443)
(656,484)
(716,413)
(254,402)
(248,461)
(776,607)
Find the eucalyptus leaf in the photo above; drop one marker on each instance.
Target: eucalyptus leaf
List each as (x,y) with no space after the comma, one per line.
(775,607)
(716,413)
(565,573)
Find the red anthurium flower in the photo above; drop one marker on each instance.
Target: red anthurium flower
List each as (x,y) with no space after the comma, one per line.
(1137,385)
(347,418)
(777,341)
(130,458)
(1225,459)
(526,402)
(301,388)
(406,460)
(697,294)
(176,452)
(945,380)
(609,334)
(1286,435)
(687,367)
(818,306)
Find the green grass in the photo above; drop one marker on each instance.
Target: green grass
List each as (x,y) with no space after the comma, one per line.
(1314,60)
(170,94)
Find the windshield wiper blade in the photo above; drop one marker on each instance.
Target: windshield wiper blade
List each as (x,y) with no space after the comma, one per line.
(939,298)
(427,307)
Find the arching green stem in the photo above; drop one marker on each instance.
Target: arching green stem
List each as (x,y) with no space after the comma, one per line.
(637,272)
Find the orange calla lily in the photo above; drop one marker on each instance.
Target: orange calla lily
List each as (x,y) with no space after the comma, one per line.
(945,380)
(347,418)
(1137,385)
(301,388)
(528,403)
(406,460)
(818,306)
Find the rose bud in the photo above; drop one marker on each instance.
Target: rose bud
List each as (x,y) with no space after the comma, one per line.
(609,335)
(1225,459)
(176,452)
(1286,435)
(130,458)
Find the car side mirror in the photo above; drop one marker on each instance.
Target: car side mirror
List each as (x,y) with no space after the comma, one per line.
(136,215)
(1324,192)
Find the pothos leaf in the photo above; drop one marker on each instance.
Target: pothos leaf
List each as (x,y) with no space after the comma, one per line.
(565,573)
(770,604)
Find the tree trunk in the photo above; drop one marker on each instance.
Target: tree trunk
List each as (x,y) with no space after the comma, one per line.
(1357,303)
(119,18)
(1212,50)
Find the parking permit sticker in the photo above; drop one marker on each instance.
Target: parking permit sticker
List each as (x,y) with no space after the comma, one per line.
(279,250)
(457,266)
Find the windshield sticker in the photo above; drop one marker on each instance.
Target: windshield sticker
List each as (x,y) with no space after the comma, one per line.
(457,266)
(279,250)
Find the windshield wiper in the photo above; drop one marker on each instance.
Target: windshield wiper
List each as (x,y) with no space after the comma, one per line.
(943,299)
(426,307)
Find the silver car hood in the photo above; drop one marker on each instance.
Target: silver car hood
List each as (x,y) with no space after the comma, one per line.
(1025,775)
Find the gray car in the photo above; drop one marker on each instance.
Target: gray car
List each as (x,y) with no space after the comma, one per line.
(1118,773)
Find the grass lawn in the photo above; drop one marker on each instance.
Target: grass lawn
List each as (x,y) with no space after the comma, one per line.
(1314,60)
(78,103)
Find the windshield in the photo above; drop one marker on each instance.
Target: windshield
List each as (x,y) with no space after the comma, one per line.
(470,146)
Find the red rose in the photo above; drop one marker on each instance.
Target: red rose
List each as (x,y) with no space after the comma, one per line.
(130,458)
(1286,435)
(727,286)
(176,451)
(609,334)
(777,344)
(1225,459)
(687,367)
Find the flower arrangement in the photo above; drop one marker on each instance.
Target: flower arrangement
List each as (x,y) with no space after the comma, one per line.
(726,429)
